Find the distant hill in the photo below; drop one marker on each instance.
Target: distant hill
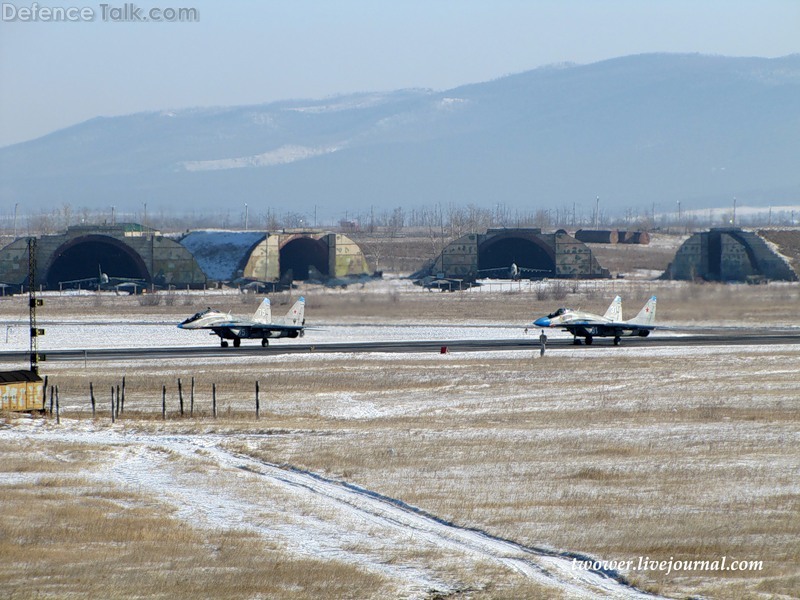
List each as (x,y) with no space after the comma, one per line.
(634,131)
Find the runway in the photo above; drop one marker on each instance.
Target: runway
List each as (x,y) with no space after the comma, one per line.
(475,345)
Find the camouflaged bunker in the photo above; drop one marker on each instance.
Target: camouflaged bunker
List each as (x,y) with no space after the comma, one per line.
(733,254)
(132,251)
(125,250)
(242,256)
(536,255)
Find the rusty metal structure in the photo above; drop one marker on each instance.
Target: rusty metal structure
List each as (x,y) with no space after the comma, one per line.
(612,236)
(21,391)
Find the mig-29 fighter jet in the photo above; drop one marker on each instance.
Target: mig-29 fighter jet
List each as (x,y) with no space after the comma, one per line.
(588,325)
(261,326)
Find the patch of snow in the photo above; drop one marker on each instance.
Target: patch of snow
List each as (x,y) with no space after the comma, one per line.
(219,253)
(284,155)
(309,514)
(450,103)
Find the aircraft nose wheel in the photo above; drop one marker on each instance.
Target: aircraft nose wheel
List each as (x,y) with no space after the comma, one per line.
(264,343)
(223,343)
(616,340)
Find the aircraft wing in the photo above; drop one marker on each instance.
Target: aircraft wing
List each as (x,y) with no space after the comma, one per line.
(84,280)
(275,327)
(605,329)
(253,325)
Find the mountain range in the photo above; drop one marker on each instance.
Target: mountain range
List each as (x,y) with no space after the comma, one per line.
(639,132)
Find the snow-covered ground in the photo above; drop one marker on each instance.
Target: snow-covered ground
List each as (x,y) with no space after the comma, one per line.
(307,513)
(635,423)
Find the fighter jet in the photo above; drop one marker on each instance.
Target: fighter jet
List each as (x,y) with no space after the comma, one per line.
(588,325)
(514,272)
(105,283)
(261,326)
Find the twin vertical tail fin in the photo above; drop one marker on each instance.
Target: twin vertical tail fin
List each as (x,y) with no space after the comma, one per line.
(296,314)
(264,312)
(646,316)
(614,312)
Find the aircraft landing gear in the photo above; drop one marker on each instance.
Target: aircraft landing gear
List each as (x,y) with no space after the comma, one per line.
(237,342)
(589,340)
(576,341)
(616,340)
(264,342)
(223,343)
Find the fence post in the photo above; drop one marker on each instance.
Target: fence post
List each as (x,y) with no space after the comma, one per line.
(119,403)
(122,399)
(257,407)
(191,399)
(163,402)
(58,411)
(91,396)
(180,394)
(214,399)
(51,400)
(113,409)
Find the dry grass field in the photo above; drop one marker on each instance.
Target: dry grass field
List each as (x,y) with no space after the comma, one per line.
(614,453)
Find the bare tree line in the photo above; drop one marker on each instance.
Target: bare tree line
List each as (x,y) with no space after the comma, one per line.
(435,221)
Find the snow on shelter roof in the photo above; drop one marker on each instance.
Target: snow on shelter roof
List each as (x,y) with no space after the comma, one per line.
(222,254)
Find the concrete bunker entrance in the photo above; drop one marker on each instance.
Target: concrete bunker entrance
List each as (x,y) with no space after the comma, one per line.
(715,243)
(533,258)
(300,255)
(86,257)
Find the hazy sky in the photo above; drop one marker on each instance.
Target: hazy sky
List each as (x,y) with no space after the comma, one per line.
(55,74)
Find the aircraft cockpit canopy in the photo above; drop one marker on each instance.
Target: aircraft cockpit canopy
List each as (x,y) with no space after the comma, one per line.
(558,313)
(197,316)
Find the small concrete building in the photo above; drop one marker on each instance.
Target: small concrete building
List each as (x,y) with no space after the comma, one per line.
(729,254)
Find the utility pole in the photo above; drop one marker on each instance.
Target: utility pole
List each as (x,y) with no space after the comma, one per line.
(733,220)
(597,213)
(33,302)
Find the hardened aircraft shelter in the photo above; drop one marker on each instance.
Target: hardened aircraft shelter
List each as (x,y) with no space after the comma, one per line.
(537,255)
(125,250)
(733,254)
(258,256)
(132,251)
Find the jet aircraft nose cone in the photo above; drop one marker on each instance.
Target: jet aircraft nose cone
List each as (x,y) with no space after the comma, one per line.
(542,322)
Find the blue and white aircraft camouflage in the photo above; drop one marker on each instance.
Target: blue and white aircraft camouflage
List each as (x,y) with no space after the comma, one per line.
(588,325)
(261,326)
